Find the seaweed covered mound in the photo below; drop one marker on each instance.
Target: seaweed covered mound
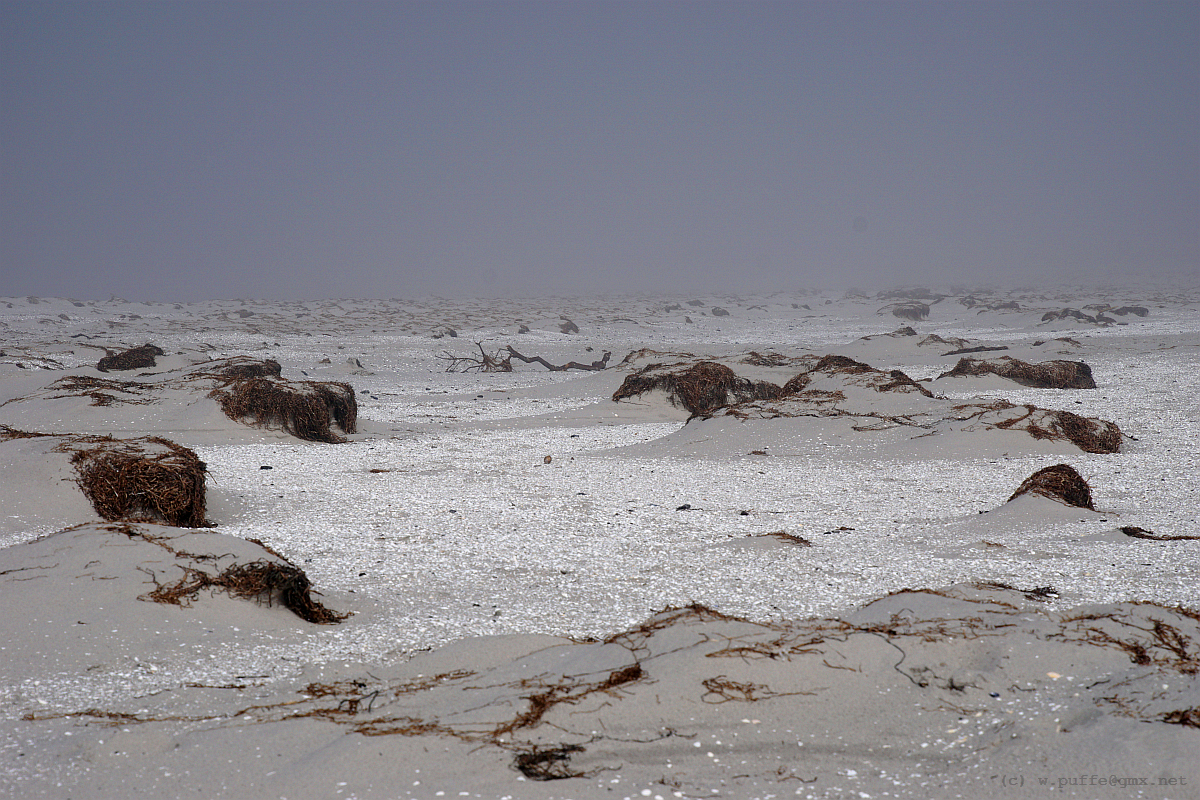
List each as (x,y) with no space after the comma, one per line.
(1089,434)
(305,409)
(240,369)
(133,358)
(148,479)
(861,374)
(700,388)
(911,310)
(837,386)
(1044,375)
(1071,313)
(1060,482)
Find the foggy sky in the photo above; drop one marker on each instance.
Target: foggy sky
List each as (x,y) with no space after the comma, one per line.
(195,150)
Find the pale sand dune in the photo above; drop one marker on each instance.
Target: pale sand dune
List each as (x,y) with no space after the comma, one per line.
(504,606)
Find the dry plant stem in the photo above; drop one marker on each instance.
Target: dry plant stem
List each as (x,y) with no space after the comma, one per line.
(484,362)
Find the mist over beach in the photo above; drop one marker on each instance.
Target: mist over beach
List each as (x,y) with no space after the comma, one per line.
(178,152)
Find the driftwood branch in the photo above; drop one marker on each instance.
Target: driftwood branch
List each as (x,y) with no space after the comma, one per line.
(595,366)
(484,362)
(499,362)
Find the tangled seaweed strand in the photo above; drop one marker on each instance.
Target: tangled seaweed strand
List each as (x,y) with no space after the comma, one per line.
(99,390)
(1060,482)
(548,763)
(133,358)
(262,580)
(124,482)
(1135,532)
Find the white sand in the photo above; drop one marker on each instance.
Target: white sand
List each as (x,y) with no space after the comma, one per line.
(439,523)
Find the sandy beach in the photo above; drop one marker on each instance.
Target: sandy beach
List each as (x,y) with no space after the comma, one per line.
(366,549)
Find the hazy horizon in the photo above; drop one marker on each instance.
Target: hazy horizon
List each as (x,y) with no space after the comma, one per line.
(191,151)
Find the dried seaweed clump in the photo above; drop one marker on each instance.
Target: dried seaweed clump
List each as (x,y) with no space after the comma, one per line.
(701,388)
(240,370)
(304,409)
(1071,313)
(133,358)
(1059,482)
(1045,375)
(267,581)
(126,480)
(842,365)
(548,763)
(1088,434)
(910,310)
(768,359)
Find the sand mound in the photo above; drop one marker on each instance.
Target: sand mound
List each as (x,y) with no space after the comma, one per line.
(837,386)
(1060,482)
(957,679)
(864,375)
(247,391)
(1045,375)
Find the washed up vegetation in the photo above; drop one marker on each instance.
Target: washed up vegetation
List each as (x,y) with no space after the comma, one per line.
(265,581)
(253,393)
(145,479)
(699,388)
(103,391)
(910,310)
(305,409)
(1060,482)
(1135,532)
(1071,313)
(134,358)
(1044,375)
(705,388)
(148,479)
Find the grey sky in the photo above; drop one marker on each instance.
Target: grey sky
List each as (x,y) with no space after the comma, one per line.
(192,150)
